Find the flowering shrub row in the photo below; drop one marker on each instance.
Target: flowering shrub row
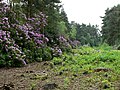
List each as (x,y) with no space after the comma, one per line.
(22,38)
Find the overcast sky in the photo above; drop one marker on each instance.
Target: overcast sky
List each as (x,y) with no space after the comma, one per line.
(87,11)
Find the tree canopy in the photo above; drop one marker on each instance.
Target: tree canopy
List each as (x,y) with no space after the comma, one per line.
(111,26)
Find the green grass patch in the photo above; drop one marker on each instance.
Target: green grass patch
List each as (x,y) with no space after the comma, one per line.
(103,65)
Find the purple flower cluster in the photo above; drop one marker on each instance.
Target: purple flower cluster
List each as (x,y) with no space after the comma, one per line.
(4,35)
(4,24)
(38,38)
(63,41)
(30,33)
(38,21)
(56,51)
(4,8)
(9,46)
(32,28)
(14,31)
(67,43)
(74,43)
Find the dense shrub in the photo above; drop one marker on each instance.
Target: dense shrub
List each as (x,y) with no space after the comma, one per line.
(21,39)
(64,44)
(10,53)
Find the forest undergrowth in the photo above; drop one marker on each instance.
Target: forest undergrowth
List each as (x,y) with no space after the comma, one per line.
(85,68)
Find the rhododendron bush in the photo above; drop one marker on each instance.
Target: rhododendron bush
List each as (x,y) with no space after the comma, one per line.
(22,38)
(21,41)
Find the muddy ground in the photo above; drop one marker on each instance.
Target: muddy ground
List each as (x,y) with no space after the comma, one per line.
(41,76)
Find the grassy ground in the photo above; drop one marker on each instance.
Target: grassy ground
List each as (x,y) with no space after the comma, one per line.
(82,69)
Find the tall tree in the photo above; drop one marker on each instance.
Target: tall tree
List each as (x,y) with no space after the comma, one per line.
(65,19)
(88,34)
(73,31)
(111,26)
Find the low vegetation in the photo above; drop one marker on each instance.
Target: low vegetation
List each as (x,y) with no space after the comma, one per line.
(100,66)
(81,69)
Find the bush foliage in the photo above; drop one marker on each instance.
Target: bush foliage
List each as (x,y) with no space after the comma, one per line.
(22,38)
